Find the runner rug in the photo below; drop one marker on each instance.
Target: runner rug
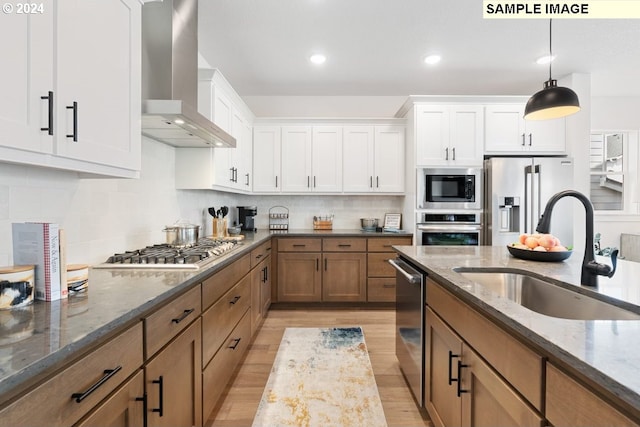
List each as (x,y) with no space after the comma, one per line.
(321,377)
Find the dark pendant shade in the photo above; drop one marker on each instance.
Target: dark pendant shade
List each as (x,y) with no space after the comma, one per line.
(551,102)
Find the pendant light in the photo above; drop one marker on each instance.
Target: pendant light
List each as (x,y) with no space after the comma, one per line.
(552,101)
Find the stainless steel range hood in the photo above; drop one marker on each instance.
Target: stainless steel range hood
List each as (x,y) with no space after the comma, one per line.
(170,77)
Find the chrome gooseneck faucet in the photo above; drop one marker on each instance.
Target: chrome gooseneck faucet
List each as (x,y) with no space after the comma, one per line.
(590,268)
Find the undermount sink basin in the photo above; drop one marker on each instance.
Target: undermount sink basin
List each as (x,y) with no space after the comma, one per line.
(545,297)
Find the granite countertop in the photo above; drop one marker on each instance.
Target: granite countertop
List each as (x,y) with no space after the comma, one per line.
(605,351)
(45,336)
(357,232)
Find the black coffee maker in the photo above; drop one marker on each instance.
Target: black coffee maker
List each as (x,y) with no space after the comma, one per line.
(246,217)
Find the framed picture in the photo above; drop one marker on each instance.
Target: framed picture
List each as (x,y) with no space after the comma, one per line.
(392,221)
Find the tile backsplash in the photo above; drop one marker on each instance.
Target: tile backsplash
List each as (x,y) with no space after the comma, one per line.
(104,216)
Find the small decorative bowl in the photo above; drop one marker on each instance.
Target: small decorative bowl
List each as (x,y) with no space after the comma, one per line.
(531,255)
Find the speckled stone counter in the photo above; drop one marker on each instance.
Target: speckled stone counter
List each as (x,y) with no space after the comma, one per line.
(604,351)
(47,335)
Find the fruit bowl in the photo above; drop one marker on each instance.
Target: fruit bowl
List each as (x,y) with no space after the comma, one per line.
(531,255)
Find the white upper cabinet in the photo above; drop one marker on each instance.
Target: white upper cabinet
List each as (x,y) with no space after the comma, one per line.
(388,162)
(27,77)
(373,158)
(266,165)
(296,159)
(88,56)
(507,132)
(219,168)
(326,159)
(449,135)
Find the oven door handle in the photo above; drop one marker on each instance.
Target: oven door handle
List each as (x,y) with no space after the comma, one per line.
(398,265)
(444,228)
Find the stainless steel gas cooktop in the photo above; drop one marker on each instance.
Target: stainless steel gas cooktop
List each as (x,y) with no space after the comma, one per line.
(163,256)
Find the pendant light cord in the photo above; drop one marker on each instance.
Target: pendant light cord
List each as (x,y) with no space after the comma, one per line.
(550,51)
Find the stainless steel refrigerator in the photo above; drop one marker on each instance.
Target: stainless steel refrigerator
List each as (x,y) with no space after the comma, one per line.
(516,191)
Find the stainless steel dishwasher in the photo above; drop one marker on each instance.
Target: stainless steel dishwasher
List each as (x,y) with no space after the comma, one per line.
(410,295)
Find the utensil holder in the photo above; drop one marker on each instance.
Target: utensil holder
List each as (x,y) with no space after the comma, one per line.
(219,228)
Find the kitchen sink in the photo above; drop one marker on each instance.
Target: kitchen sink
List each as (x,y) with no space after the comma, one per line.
(546,297)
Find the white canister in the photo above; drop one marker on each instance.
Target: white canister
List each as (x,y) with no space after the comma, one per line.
(77,278)
(16,286)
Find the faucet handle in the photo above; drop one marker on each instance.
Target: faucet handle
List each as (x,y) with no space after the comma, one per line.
(614,261)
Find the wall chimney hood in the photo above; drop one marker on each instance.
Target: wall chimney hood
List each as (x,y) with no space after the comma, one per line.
(170,77)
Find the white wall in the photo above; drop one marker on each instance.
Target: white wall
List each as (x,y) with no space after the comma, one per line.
(104,216)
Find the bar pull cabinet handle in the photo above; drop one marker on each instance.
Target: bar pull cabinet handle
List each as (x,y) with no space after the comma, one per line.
(451,357)
(74,107)
(183,316)
(160,408)
(108,373)
(49,127)
(308,184)
(377,182)
(371,182)
(231,178)
(299,245)
(234,300)
(325,264)
(446,153)
(459,389)
(144,401)
(523,137)
(530,139)
(235,344)
(344,245)
(258,256)
(314,181)
(276,181)
(453,150)
(317,263)
(235,179)
(247,183)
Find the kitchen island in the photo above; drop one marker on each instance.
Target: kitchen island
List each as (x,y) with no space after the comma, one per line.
(603,355)
(44,339)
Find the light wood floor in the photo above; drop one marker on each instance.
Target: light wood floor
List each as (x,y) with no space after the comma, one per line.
(239,402)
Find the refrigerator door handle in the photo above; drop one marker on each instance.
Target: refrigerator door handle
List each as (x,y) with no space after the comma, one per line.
(527,180)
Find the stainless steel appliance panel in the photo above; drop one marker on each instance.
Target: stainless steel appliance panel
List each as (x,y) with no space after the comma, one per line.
(449,188)
(459,229)
(410,299)
(516,192)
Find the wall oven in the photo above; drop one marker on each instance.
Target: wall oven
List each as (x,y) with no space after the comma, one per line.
(449,188)
(457,229)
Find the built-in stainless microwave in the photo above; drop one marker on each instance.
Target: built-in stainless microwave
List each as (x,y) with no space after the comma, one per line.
(450,188)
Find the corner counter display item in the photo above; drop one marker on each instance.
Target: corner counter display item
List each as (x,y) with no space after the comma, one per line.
(539,247)
(16,286)
(392,222)
(323,222)
(369,224)
(279,219)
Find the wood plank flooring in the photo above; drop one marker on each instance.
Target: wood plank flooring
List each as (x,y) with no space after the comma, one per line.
(240,399)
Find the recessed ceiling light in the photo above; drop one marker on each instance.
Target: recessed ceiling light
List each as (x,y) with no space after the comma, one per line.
(318,58)
(432,59)
(545,59)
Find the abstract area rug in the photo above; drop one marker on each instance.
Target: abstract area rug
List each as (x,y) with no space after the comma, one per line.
(321,377)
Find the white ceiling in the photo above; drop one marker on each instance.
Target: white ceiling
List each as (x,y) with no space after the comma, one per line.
(376,47)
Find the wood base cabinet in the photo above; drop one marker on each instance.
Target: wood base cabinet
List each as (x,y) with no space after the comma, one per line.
(344,277)
(174,381)
(299,277)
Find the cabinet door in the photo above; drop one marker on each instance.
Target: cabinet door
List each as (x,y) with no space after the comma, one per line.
(488,400)
(443,351)
(327,159)
(265,291)
(257,278)
(432,135)
(299,277)
(98,57)
(245,162)
(344,277)
(389,159)
(27,76)
(266,159)
(124,408)
(545,136)
(504,128)
(174,381)
(358,159)
(296,159)
(466,146)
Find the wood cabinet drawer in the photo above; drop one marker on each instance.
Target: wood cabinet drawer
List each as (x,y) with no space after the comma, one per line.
(519,365)
(299,245)
(53,403)
(222,317)
(260,253)
(384,244)
(346,244)
(381,289)
(221,281)
(167,322)
(570,404)
(378,264)
(217,374)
